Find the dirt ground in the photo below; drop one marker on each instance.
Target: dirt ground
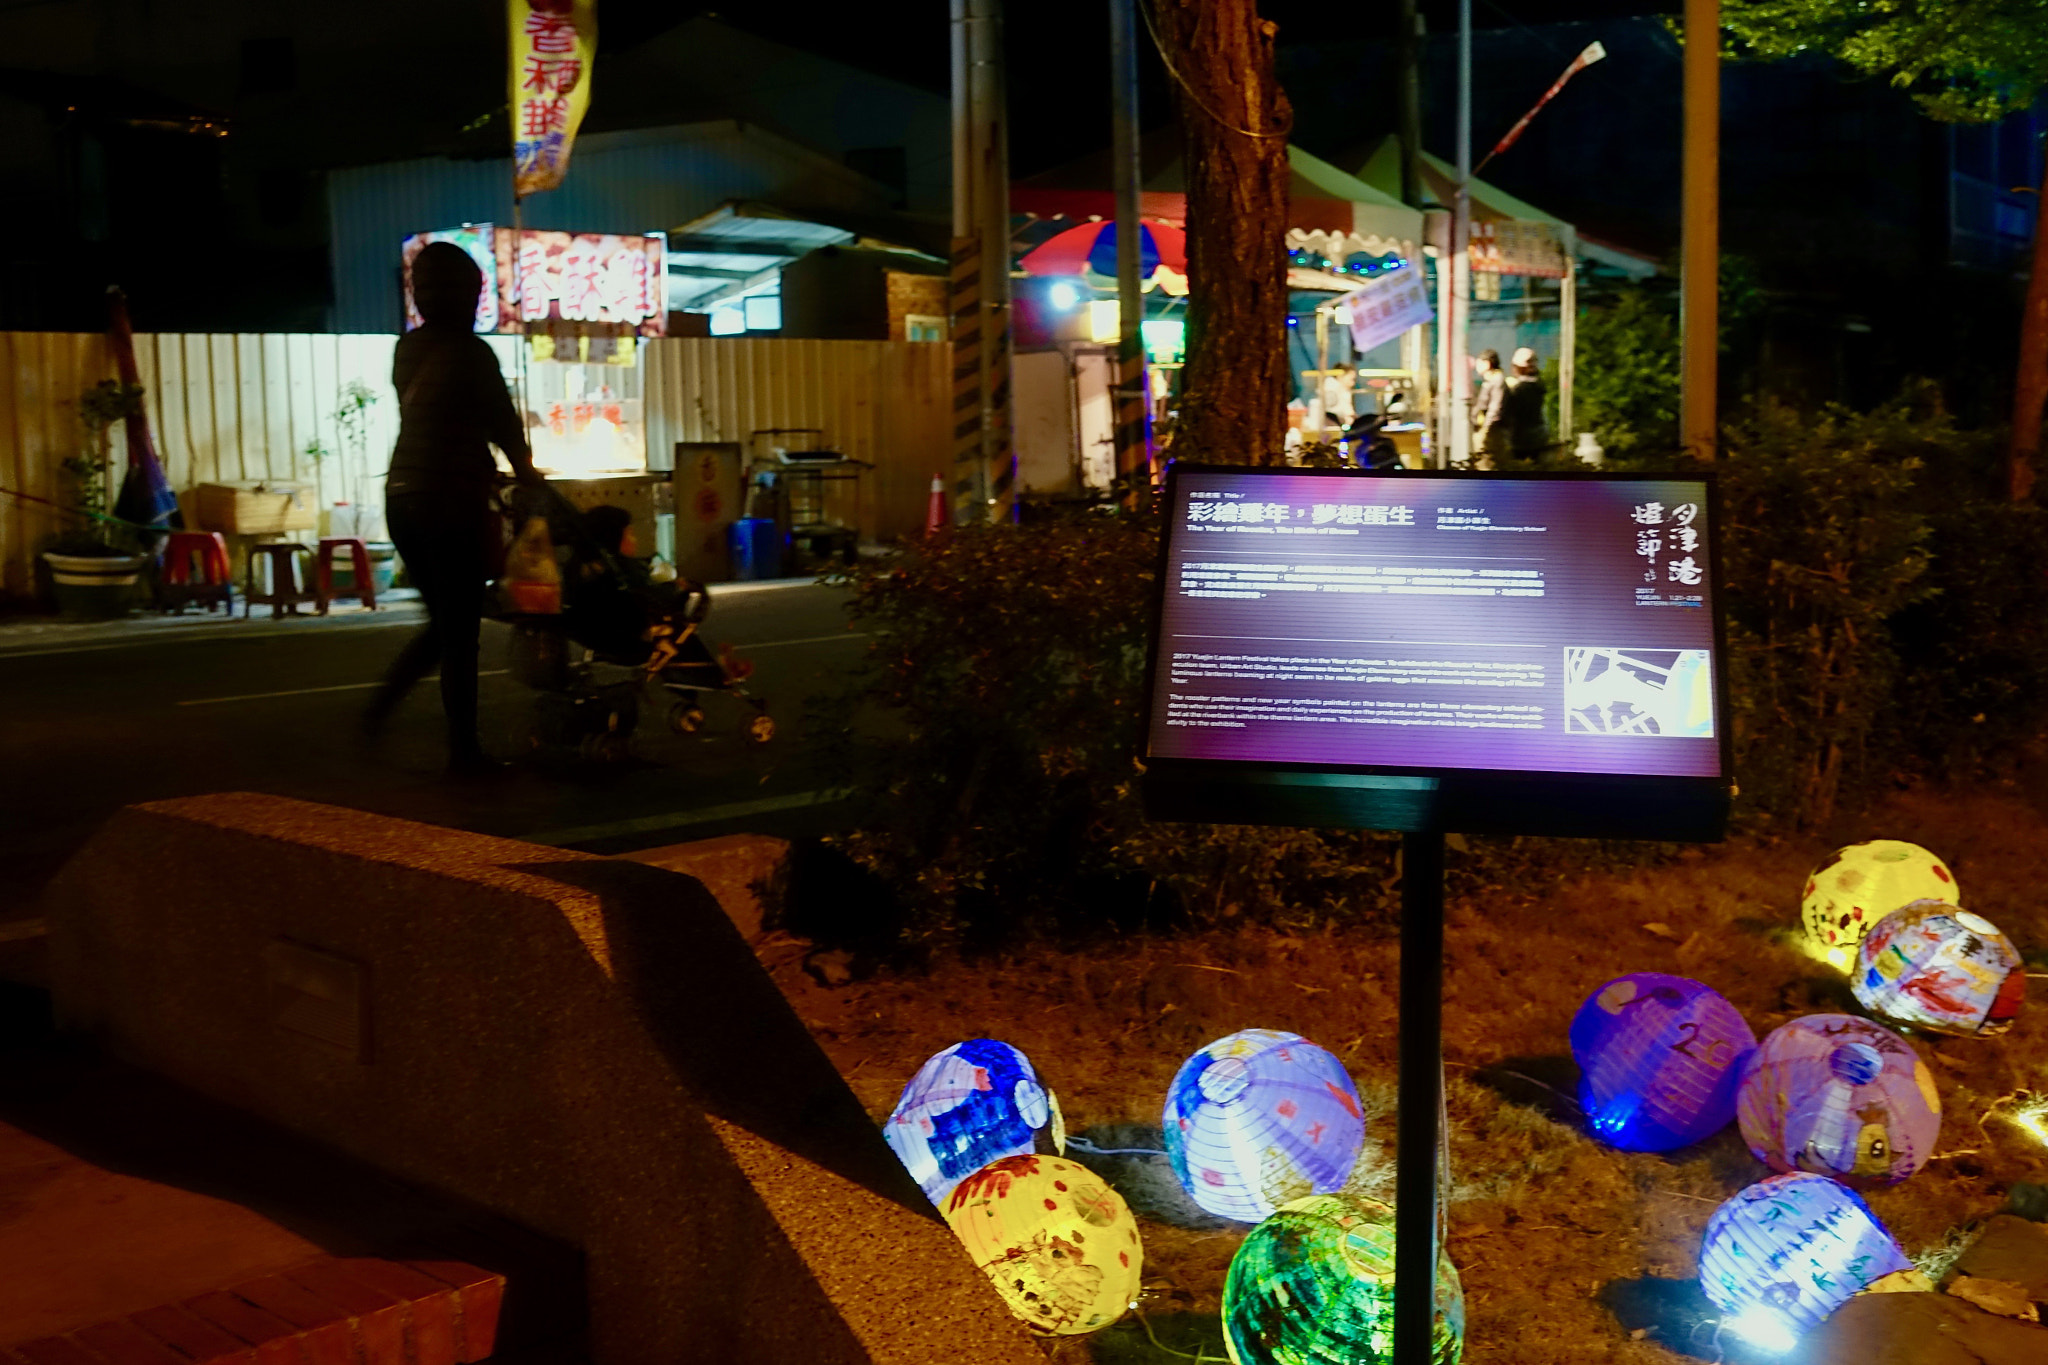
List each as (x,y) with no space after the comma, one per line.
(1569,1250)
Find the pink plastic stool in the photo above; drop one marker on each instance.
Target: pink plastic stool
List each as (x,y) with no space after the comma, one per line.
(323,572)
(196,569)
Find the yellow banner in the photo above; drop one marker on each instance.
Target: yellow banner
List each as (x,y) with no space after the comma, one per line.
(553,42)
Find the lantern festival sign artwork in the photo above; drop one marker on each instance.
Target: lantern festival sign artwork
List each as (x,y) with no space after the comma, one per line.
(1387,306)
(553,42)
(588,283)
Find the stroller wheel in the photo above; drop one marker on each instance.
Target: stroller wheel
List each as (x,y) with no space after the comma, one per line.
(685,718)
(760,729)
(608,747)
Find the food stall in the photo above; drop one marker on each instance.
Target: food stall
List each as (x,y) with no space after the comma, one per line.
(581,305)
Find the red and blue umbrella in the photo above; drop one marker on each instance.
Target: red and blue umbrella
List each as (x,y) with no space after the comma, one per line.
(1091,249)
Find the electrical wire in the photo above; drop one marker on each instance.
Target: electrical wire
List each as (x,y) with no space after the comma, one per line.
(1158,45)
(1081,1144)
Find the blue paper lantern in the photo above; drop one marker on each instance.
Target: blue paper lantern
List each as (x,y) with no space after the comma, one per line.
(1840,1097)
(1937,967)
(1786,1252)
(969,1105)
(1659,1058)
(1260,1118)
(1314,1285)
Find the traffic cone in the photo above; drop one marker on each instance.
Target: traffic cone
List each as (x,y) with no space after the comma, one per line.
(936,515)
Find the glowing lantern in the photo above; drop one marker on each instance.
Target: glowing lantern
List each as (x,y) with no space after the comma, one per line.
(1659,1058)
(1841,1097)
(968,1105)
(1315,1284)
(1057,1242)
(1936,967)
(1786,1252)
(1258,1118)
(1860,885)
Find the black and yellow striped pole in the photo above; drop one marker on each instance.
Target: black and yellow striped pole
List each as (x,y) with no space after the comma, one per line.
(984,461)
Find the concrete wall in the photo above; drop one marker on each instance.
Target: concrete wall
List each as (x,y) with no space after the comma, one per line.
(584,1045)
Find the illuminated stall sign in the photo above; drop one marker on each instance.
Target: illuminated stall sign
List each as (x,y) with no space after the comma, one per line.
(575,283)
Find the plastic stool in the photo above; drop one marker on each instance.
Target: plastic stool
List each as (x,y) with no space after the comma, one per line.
(285,593)
(196,569)
(323,572)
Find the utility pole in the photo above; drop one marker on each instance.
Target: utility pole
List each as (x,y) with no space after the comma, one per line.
(1408,116)
(1133,395)
(1460,320)
(984,464)
(1699,269)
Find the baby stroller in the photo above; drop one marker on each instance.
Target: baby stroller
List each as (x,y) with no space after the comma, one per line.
(620,639)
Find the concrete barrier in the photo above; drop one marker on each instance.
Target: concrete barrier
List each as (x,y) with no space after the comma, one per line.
(585,1045)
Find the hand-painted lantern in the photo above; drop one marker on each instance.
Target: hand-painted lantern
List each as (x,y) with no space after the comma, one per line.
(1314,1284)
(1859,885)
(968,1105)
(1056,1241)
(1786,1252)
(1659,1058)
(1841,1097)
(1936,967)
(1259,1118)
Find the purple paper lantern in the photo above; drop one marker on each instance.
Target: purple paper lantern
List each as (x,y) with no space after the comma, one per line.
(1659,1060)
(1786,1252)
(1259,1119)
(967,1106)
(1934,966)
(1840,1097)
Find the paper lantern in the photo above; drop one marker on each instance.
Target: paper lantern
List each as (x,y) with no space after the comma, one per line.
(1786,1252)
(1659,1058)
(1260,1118)
(1860,885)
(1057,1242)
(1841,1097)
(1936,967)
(1314,1285)
(970,1104)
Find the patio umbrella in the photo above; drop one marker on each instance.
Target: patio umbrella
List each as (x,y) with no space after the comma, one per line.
(1091,249)
(146,497)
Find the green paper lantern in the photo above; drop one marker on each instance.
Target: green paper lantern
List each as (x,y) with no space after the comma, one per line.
(1314,1285)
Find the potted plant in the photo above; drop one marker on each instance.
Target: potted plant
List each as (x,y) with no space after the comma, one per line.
(94,563)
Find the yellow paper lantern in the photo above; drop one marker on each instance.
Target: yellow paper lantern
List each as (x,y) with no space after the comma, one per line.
(1057,1242)
(1859,885)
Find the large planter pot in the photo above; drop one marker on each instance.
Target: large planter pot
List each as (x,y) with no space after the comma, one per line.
(94,587)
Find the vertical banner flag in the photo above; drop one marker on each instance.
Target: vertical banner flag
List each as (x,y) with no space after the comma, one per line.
(553,42)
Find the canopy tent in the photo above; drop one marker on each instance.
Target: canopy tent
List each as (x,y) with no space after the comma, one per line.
(1328,211)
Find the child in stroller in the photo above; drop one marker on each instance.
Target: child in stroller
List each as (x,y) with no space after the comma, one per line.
(622,617)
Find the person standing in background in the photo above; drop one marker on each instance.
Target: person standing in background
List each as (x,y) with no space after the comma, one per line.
(453,407)
(1488,440)
(1521,409)
(1337,394)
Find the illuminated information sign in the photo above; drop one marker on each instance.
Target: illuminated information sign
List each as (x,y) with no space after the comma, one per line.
(1438,649)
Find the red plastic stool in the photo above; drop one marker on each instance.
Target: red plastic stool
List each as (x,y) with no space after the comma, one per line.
(286,592)
(323,572)
(196,569)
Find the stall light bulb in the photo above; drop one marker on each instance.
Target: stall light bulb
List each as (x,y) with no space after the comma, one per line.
(1763,1329)
(1063,296)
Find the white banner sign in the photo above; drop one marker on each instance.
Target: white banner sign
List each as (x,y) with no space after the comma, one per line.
(1386,306)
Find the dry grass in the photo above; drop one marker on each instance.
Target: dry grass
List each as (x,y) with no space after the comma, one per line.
(1544,1222)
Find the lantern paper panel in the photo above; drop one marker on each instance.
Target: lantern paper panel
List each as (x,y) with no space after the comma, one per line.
(1859,885)
(1260,1118)
(1786,1252)
(1314,1285)
(1840,1097)
(1659,1060)
(1057,1242)
(1936,967)
(967,1106)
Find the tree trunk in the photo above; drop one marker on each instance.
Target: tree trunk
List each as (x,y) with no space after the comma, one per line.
(1234,122)
(2030,383)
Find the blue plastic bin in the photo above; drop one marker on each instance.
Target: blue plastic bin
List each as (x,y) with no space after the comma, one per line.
(756,548)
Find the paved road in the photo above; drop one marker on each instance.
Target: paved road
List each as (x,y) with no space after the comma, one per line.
(91,721)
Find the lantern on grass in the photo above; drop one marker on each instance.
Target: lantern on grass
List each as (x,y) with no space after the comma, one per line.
(1659,1058)
(1786,1252)
(1840,1097)
(1057,1242)
(1933,966)
(1260,1118)
(970,1104)
(1314,1285)
(1859,885)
